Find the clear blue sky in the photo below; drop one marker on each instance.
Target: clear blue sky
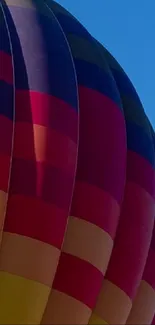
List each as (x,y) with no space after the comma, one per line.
(127,29)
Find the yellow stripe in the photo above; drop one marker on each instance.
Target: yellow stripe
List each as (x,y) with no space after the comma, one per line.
(22,301)
(95,320)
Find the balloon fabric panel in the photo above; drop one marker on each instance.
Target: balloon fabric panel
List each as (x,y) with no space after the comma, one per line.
(77,184)
(37,212)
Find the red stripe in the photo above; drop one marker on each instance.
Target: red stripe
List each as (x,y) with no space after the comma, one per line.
(96,206)
(141,172)
(6,129)
(40,180)
(102,146)
(6,70)
(149,272)
(46,110)
(79,279)
(4,172)
(46,145)
(132,240)
(35,218)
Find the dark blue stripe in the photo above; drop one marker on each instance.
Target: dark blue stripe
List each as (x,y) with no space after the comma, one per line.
(6,100)
(139,142)
(55,74)
(125,86)
(91,76)
(71,26)
(4,39)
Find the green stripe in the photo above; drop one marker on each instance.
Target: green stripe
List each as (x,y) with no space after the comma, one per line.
(133,111)
(135,114)
(111,60)
(58,9)
(86,50)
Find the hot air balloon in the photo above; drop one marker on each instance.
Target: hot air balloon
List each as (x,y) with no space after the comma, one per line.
(77,185)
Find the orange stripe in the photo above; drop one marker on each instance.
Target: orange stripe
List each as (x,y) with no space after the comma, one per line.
(88,242)
(45,145)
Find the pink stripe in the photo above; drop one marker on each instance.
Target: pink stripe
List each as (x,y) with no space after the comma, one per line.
(79,279)
(132,240)
(96,206)
(46,110)
(102,146)
(141,172)
(6,70)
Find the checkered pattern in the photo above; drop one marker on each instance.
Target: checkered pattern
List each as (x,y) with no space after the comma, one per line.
(77,185)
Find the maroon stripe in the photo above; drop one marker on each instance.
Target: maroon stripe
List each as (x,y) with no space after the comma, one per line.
(141,172)
(32,217)
(96,206)
(6,70)
(37,179)
(149,272)
(102,145)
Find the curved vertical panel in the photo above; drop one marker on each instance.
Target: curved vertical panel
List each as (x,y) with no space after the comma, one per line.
(44,161)
(97,265)
(6,115)
(137,216)
(99,182)
(144,302)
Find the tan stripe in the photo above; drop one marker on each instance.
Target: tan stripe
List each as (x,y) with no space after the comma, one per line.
(63,309)
(88,242)
(28,258)
(144,305)
(113,305)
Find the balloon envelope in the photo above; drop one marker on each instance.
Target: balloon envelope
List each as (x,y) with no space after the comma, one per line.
(77,185)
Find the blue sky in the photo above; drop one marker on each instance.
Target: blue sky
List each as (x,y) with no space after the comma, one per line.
(127,29)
